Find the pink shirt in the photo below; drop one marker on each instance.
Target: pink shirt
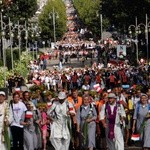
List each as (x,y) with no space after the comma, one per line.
(44,119)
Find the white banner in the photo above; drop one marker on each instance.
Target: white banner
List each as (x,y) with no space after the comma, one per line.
(121,51)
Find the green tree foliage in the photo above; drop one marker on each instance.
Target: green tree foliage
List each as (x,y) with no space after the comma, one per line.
(122,13)
(8,57)
(46,20)
(19,67)
(20,9)
(89,12)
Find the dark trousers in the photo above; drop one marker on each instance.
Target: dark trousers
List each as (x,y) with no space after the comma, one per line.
(17,136)
(75,85)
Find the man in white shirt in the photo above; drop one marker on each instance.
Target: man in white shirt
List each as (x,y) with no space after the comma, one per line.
(47,81)
(60,112)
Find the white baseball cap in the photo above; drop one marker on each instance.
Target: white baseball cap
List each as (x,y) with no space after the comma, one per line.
(2,93)
(62,95)
(112,95)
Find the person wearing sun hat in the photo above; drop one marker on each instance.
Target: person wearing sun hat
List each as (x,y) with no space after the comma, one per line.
(60,113)
(5,120)
(111,115)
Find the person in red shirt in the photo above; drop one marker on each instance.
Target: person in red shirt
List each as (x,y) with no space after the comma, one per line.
(98,78)
(112,80)
(124,79)
(74,79)
(87,77)
(64,80)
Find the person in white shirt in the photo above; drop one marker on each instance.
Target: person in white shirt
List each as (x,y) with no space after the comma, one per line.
(60,112)
(5,120)
(18,108)
(47,82)
(86,86)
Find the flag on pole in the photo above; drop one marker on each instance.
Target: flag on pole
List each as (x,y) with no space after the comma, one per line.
(29,115)
(98,88)
(135,137)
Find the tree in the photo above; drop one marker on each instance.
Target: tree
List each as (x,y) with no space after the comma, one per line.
(122,13)
(117,13)
(89,12)
(17,9)
(46,20)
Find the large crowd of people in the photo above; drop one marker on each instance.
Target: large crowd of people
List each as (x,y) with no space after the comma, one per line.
(82,108)
(101,106)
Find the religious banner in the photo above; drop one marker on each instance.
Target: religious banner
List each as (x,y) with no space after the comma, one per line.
(121,51)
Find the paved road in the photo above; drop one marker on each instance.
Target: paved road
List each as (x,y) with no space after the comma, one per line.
(127,148)
(74,63)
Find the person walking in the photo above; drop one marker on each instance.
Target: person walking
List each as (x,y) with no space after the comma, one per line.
(86,123)
(60,113)
(112,115)
(141,123)
(76,101)
(27,120)
(18,108)
(5,120)
(43,125)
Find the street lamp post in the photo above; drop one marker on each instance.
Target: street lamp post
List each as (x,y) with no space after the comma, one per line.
(137,48)
(36,30)
(101,19)
(3,49)
(11,29)
(54,15)
(137,29)
(33,46)
(36,48)
(26,36)
(21,28)
(101,24)
(147,26)
(19,42)
(136,37)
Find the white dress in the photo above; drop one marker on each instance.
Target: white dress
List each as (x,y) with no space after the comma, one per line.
(60,135)
(118,142)
(4,112)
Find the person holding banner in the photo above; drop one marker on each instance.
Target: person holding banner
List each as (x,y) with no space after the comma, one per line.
(5,120)
(141,123)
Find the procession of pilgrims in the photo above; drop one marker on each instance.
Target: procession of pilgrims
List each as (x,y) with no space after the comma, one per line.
(85,109)
(75,121)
